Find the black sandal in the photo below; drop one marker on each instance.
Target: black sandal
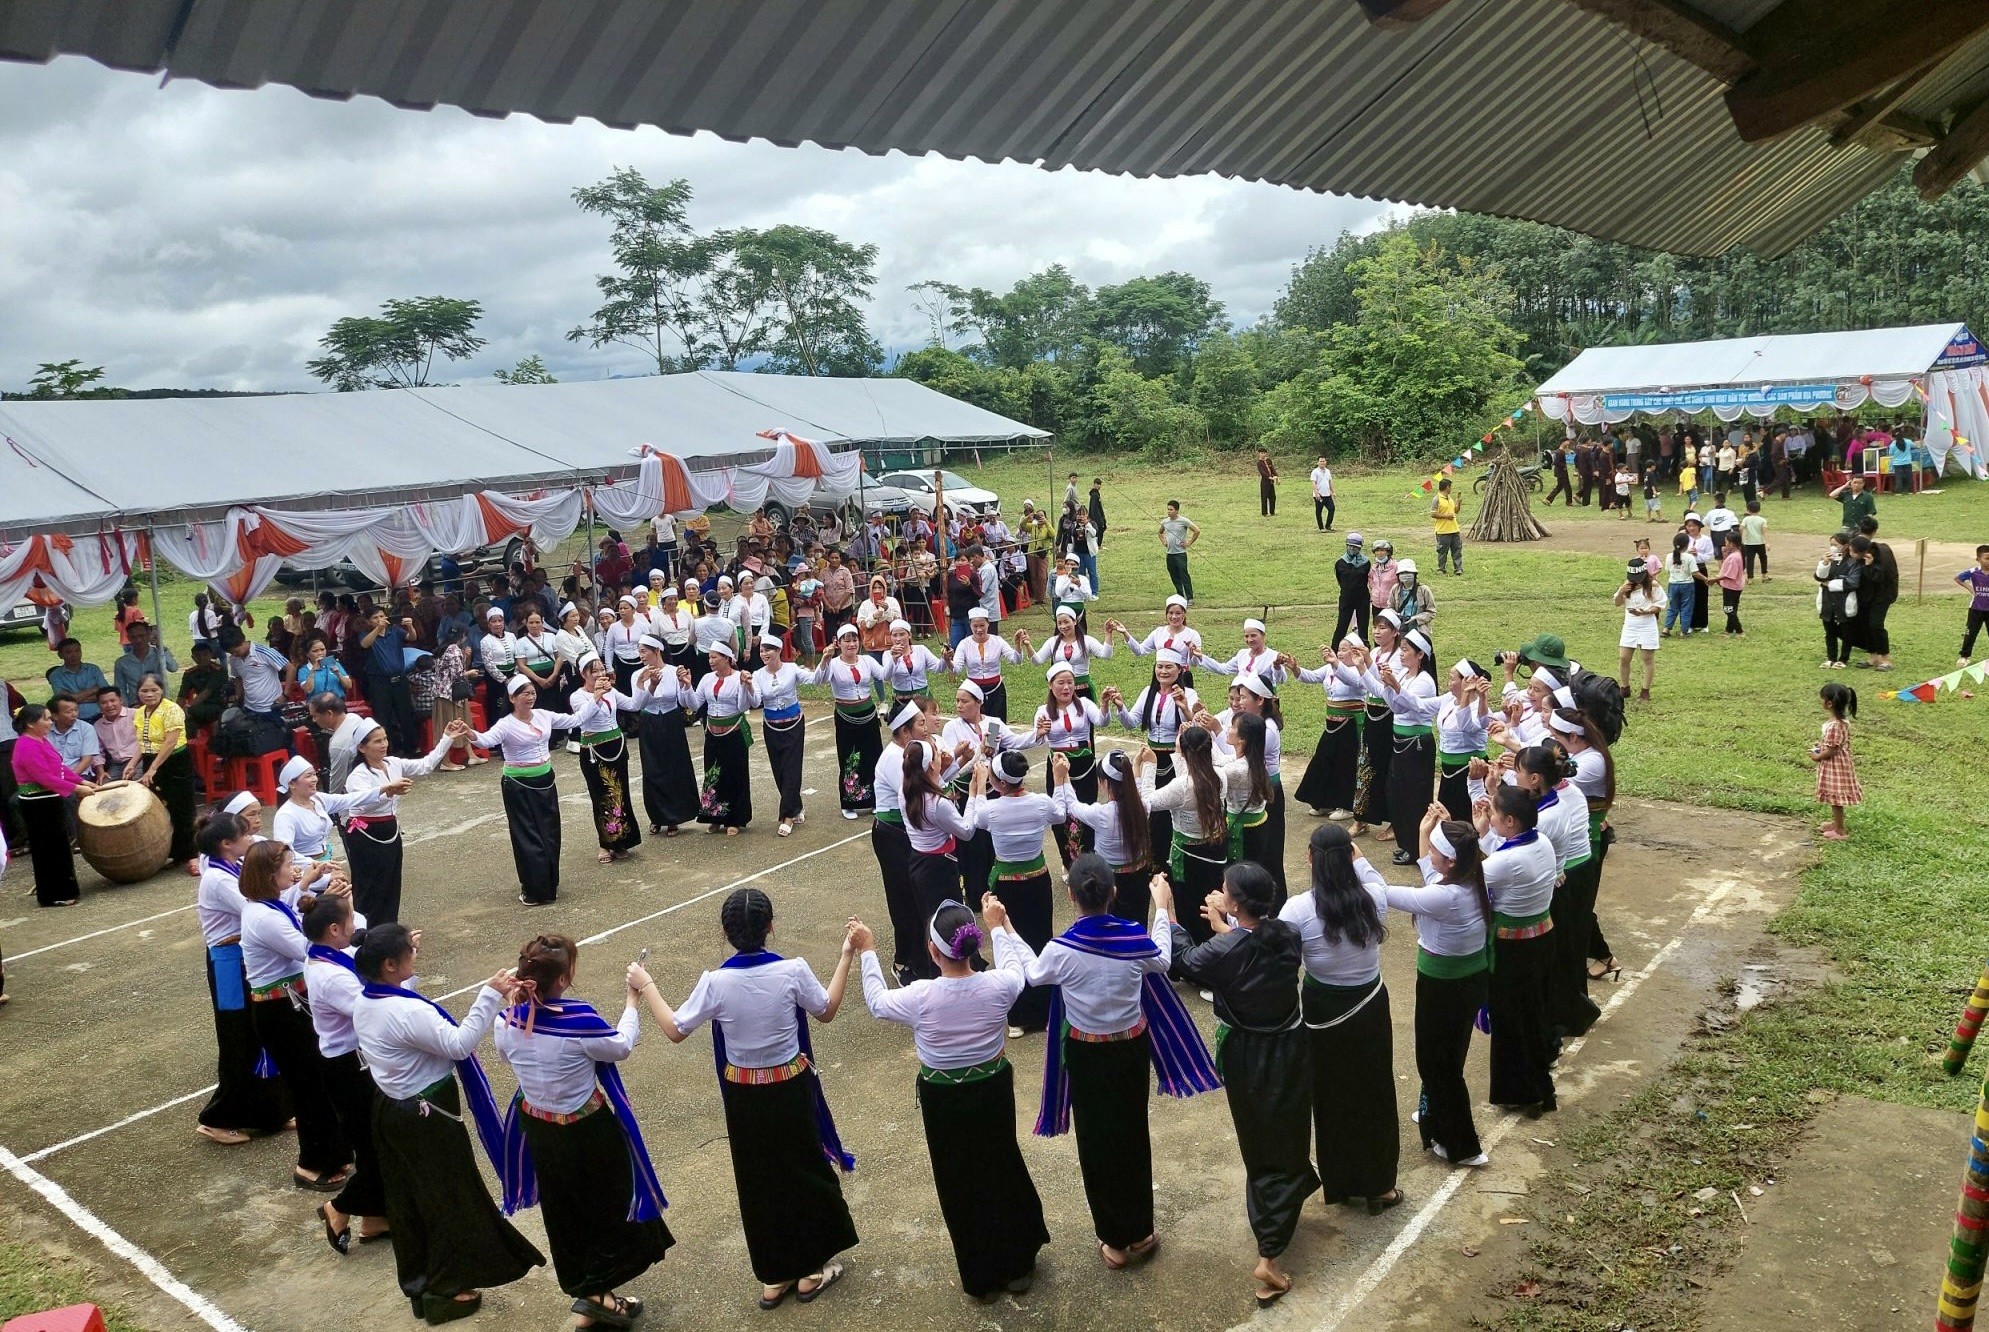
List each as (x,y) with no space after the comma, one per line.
(341,1238)
(616,1314)
(830,1274)
(1392,1198)
(773,1302)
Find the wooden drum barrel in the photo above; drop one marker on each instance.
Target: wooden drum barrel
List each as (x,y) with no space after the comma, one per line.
(125,832)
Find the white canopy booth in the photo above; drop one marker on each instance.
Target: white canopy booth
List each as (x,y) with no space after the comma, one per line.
(1939,368)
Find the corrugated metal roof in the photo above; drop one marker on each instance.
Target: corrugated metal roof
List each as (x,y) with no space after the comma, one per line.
(1526,108)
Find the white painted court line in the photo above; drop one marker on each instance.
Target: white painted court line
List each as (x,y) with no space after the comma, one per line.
(1352,1297)
(453,994)
(81,1138)
(57,1197)
(97,934)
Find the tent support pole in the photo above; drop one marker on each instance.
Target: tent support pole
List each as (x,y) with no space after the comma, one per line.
(152,558)
(587,556)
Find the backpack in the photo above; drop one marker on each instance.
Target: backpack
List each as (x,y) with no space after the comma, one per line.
(242,734)
(1600,699)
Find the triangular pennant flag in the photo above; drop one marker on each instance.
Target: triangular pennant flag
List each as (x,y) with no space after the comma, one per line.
(1977,671)
(1890,693)
(1478,448)
(1427,486)
(1486,440)
(1925,693)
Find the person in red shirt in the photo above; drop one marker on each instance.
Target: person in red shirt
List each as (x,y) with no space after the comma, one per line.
(614,566)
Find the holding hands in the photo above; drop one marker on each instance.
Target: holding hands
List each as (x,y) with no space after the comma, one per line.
(993,912)
(859,936)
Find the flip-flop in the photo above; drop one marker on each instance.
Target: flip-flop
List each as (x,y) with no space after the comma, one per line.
(1270,1295)
(603,1315)
(340,1239)
(1111,1263)
(1143,1251)
(830,1276)
(774,1302)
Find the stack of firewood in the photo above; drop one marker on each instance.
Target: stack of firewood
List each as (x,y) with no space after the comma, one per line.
(1505,513)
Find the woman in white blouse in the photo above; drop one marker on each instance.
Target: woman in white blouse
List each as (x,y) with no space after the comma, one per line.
(306,817)
(1340,925)
(373,839)
(1020,875)
(966,1094)
(273,954)
(1070,646)
(598,707)
(777,1120)
(933,826)
(777,694)
(243,1104)
(850,676)
(571,1140)
(724,697)
(1196,799)
(1408,683)
(333,982)
(1066,723)
(1121,832)
(669,782)
(531,799)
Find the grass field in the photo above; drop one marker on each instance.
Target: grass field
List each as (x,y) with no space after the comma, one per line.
(1894,908)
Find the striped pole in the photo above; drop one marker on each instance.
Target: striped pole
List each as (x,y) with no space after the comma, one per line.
(1971,1023)
(1961,1282)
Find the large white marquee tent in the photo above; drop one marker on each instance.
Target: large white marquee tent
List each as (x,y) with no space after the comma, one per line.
(230,489)
(1938,368)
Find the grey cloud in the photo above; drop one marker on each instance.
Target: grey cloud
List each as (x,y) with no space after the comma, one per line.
(192,237)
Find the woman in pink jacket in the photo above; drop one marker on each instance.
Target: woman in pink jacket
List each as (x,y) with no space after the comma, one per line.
(46,783)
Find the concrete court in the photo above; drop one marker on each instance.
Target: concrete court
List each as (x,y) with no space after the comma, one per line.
(106,1027)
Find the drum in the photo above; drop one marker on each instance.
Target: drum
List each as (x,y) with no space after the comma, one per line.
(125,832)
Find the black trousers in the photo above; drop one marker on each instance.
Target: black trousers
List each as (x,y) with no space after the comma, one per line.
(893,850)
(1976,619)
(1267,496)
(1838,639)
(1177,573)
(1352,614)
(1523,1041)
(1445,1011)
(375,854)
(350,1089)
(1749,555)
(1570,1009)
(1322,513)
(393,708)
(1730,603)
(286,1034)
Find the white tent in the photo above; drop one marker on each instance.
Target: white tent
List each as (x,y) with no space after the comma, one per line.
(228,489)
(1942,366)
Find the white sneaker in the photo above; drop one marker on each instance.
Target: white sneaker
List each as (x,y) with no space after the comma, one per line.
(1015,1033)
(850,814)
(1208,996)
(1341,815)
(1479,1160)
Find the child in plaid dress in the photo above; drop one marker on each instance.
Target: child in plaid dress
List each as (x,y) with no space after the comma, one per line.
(1836,777)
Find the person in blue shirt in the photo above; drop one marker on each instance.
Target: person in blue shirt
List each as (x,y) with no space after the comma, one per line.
(1900,460)
(80,679)
(386,680)
(452,576)
(142,657)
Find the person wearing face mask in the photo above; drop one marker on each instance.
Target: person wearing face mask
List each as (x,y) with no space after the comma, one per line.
(1350,575)
(1381,576)
(1412,600)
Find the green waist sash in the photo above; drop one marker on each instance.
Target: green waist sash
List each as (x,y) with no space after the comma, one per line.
(960,1077)
(1439,967)
(528,770)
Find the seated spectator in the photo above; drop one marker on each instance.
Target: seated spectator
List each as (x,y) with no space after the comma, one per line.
(117,738)
(79,679)
(141,657)
(76,741)
(260,673)
(204,687)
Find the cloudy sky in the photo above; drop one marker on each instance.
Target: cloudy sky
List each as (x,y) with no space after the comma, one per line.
(189,237)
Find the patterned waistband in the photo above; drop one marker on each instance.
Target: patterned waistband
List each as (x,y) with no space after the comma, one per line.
(528,770)
(991,682)
(1456,762)
(1011,871)
(759,1077)
(853,711)
(1523,927)
(960,1077)
(781,714)
(1351,707)
(290,987)
(594,1102)
(1132,1033)
(724,726)
(890,816)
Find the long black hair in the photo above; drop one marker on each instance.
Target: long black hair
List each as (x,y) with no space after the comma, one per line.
(1196,750)
(1135,831)
(920,785)
(1346,910)
(1250,744)
(1468,865)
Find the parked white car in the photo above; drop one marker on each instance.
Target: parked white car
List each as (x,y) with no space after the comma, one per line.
(962,496)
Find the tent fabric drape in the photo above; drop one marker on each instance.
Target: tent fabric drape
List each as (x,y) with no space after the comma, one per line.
(799,469)
(83,571)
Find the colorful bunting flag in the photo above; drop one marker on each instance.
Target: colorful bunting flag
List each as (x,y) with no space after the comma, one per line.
(1929,690)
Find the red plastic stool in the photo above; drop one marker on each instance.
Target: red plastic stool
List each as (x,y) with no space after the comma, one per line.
(72,1318)
(304,744)
(260,775)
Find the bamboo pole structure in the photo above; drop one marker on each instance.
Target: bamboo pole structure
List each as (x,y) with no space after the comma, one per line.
(1506,513)
(1968,1249)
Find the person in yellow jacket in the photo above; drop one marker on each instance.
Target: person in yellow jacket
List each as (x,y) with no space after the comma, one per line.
(1449,540)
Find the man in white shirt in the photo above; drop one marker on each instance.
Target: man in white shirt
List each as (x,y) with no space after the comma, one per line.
(1322,495)
(258,668)
(341,729)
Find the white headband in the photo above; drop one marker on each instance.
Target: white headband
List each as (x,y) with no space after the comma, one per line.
(1169,657)
(978,613)
(905,625)
(1177,600)
(245,799)
(907,715)
(1547,677)
(493,614)
(847,631)
(1392,618)
(1256,684)
(292,770)
(365,728)
(1562,725)
(517,682)
(1441,844)
(1258,625)
(724,649)
(1067,613)
(657,575)
(650,641)
(1061,668)
(628,602)
(1565,696)
(1115,764)
(932,932)
(1466,669)
(1420,640)
(566,609)
(969,687)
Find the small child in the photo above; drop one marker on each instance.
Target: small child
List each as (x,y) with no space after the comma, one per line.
(1754,540)
(1681,576)
(1732,580)
(1625,478)
(1976,580)
(1653,502)
(1836,776)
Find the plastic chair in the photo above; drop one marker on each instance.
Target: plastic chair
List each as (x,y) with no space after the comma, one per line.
(211,771)
(72,1318)
(305,745)
(260,775)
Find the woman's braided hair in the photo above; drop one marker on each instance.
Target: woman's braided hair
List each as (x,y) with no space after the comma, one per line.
(746,917)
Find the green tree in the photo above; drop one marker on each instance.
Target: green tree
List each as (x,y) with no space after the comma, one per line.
(654,300)
(1043,317)
(397,348)
(529,370)
(1223,389)
(812,286)
(63,379)
(1158,321)
(1138,414)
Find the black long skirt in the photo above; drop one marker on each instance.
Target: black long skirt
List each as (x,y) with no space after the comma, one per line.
(994,700)
(1570,1010)
(858,744)
(1132,895)
(1453,772)
(172,782)
(1411,784)
(993,1214)
(625,684)
(727,799)
(1330,775)
(1159,823)
(46,818)
(285,1031)
(784,742)
(375,854)
(1599,839)
(893,850)
(1073,838)
(1523,1042)
(1356,1131)
(1445,1012)
(242,1101)
(669,782)
(1272,840)
(1701,600)
(448,1235)
(585,1185)
(935,880)
(1108,1095)
(1031,910)
(604,767)
(977,860)
(350,1090)
(1267,1077)
(531,807)
(1201,874)
(790,1203)
(1371,777)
